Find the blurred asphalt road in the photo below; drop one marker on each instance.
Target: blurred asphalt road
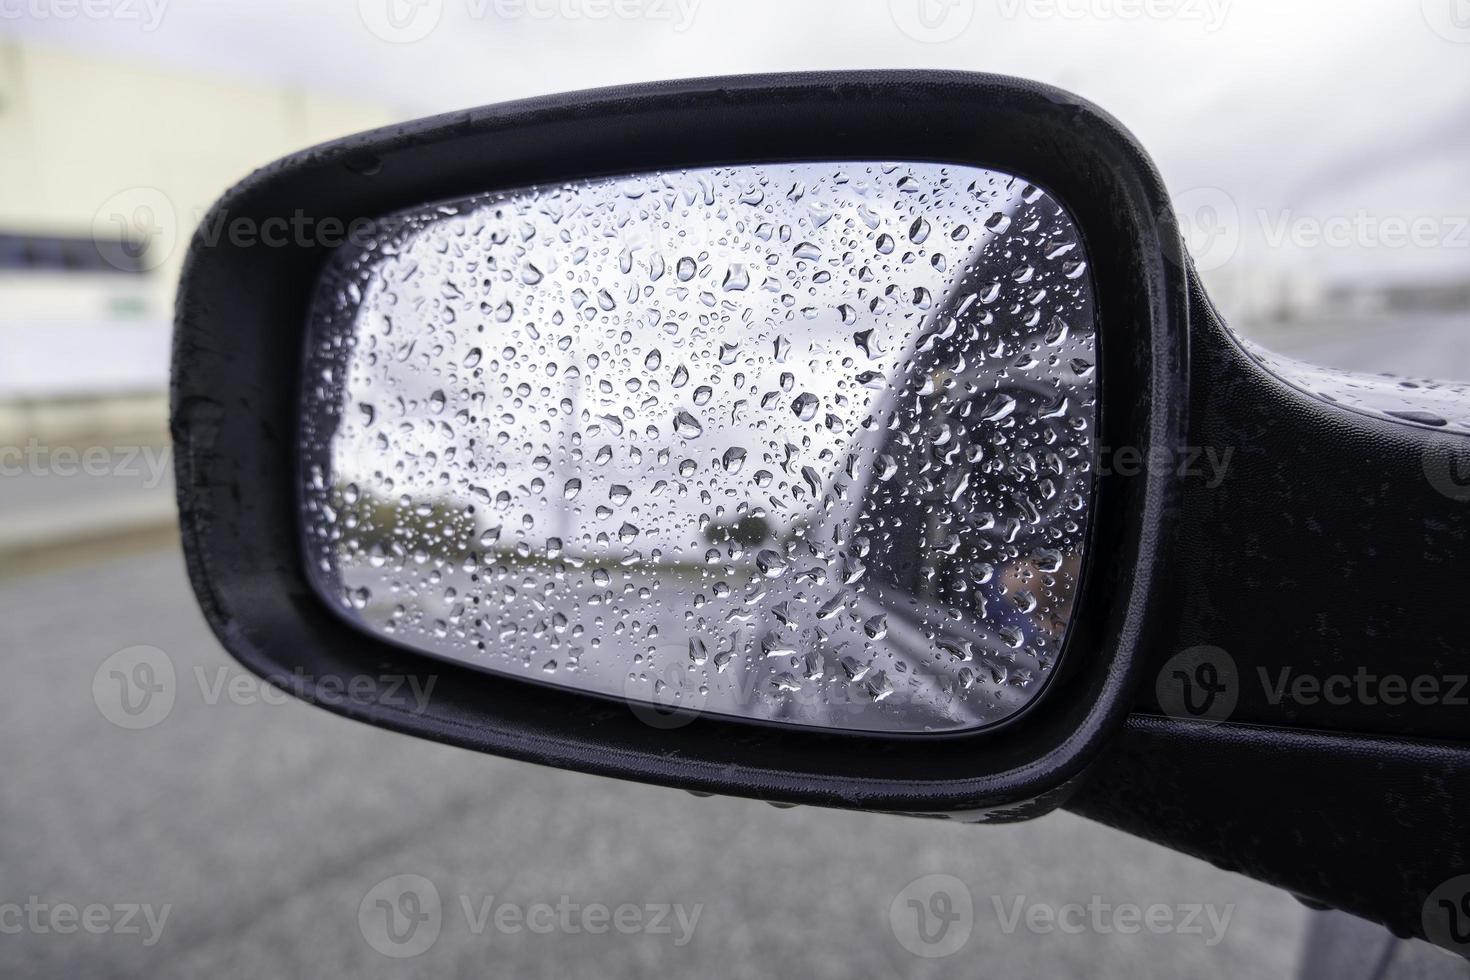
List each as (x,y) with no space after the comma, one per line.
(262,824)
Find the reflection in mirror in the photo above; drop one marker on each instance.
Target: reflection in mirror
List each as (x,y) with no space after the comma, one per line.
(809,444)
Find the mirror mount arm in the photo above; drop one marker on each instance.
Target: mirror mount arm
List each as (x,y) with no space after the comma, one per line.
(1324,534)
(1371,826)
(1338,768)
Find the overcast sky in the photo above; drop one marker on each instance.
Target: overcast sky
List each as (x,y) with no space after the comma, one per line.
(1306,111)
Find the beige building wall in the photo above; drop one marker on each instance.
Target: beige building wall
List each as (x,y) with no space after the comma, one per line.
(82,138)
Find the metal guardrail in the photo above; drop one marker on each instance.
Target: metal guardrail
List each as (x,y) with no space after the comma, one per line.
(58,526)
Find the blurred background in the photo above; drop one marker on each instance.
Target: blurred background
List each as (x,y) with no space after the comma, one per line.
(1317,154)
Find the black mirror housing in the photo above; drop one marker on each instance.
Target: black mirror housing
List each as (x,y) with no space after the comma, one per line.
(241,317)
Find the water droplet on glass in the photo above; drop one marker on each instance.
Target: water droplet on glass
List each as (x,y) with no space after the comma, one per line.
(687,426)
(771,564)
(805,406)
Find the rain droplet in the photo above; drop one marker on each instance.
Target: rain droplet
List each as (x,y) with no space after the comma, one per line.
(805,406)
(687,426)
(771,564)
(1000,406)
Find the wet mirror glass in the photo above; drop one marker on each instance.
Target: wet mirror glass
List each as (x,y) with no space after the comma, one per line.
(809,444)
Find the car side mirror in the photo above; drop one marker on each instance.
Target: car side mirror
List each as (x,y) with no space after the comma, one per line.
(826,439)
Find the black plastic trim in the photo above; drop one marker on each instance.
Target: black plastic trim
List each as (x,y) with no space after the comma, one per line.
(1371,826)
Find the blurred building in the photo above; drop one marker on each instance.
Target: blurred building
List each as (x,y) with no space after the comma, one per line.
(1255,297)
(107,167)
(1443,294)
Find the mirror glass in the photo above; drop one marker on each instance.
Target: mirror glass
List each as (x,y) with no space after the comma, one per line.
(809,444)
